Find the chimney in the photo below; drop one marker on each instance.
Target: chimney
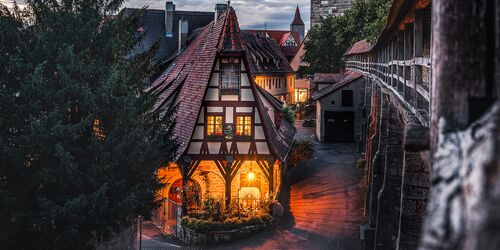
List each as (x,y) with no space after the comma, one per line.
(169,19)
(183,32)
(219,8)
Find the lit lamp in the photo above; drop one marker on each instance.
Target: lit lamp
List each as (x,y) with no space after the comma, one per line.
(251,176)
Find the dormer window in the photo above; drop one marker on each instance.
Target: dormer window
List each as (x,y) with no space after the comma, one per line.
(230,76)
(290,42)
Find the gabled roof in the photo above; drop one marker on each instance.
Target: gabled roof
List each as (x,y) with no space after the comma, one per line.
(152,24)
(185,82)
(329,77)
(297,20)
(279,36)
(351,77)
(359,47)
(266,55)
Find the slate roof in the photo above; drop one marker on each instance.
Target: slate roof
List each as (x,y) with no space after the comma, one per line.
(351,77)
(153,25)
(185,83)
(329,77)
(359,47)
(297,20)
(271,59)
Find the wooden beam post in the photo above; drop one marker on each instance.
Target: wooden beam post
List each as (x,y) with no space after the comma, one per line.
(418,51)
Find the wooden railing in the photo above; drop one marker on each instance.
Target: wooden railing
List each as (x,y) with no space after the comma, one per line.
(401,63)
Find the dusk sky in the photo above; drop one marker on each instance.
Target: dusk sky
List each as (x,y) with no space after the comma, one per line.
(252,14)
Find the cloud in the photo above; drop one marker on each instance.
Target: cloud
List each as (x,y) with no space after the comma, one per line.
(252,14)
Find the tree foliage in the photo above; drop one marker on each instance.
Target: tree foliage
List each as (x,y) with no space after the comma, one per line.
(64,78)
(302,150)
(326,43)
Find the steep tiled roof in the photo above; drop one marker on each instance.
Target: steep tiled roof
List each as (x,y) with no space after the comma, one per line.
(359,48)
(231,34)
(266,51)
(329,77)
(297,20)
(153,27)
(278,35)
(184,83)
(351,77)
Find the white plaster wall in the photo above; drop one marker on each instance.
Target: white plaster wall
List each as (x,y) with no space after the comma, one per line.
(244,80)
(262,148)
(229,98)
(247,95)
(194,148)
(244,109)
(259,133)
(215,80)
(243,147)
(198,133)
(229,115)
(215,109)
(214,147)
(212,95)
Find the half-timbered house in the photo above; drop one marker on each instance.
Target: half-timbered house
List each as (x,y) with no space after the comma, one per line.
(233,140)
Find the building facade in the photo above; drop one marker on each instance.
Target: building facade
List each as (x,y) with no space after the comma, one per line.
(321,9)
(232,140)
(302,85)
(339,111)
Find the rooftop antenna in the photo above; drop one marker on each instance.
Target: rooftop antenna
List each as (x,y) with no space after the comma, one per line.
(228,3)
(265,26)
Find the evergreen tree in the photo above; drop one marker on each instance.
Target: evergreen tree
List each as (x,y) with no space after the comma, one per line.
(79,144)
(326,43)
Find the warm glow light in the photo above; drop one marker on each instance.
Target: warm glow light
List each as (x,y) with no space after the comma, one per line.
(251,176)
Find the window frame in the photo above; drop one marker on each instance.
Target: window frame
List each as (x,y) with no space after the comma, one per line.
(207,125)
(232,84)
(244,126)
(347,102)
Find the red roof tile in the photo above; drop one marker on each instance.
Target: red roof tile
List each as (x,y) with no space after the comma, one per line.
(351,77)
(297,20)
(185,82)
(359,48)
(329,77)
(278,35)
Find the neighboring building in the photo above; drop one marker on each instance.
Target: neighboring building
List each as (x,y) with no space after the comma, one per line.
(321,9)
(269,66)
(339,115)
(303,85)
(288,40)
(169,28)
(298,25)
(232,139)
(324,80)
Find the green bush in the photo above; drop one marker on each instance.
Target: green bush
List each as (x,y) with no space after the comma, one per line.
(302,150)
(205,226)
(288,114)
(361,163)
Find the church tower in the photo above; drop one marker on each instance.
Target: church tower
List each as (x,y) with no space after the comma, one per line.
(298,25)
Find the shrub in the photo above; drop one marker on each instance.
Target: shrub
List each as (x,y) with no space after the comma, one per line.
(361,163)
(288,114)
(205,226)
(302,150)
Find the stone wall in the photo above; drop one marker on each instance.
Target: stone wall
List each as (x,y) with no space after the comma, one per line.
(398,180)
(321,9)
(193,238)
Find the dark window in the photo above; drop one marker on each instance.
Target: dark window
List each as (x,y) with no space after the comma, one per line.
(347,98)
(230,78)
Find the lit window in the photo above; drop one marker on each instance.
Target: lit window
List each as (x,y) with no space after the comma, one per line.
(214,125)
(230,78)
(244,125)
(98,131)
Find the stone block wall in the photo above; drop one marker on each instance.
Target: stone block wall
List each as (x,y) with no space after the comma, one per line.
(324,8)
(399,181)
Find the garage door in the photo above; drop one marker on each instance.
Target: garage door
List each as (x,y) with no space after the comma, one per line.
(339,127)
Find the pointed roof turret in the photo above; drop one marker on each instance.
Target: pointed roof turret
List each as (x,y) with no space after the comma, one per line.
(297,20)
(231,40)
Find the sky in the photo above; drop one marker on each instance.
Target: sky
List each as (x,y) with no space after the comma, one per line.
(252,14)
